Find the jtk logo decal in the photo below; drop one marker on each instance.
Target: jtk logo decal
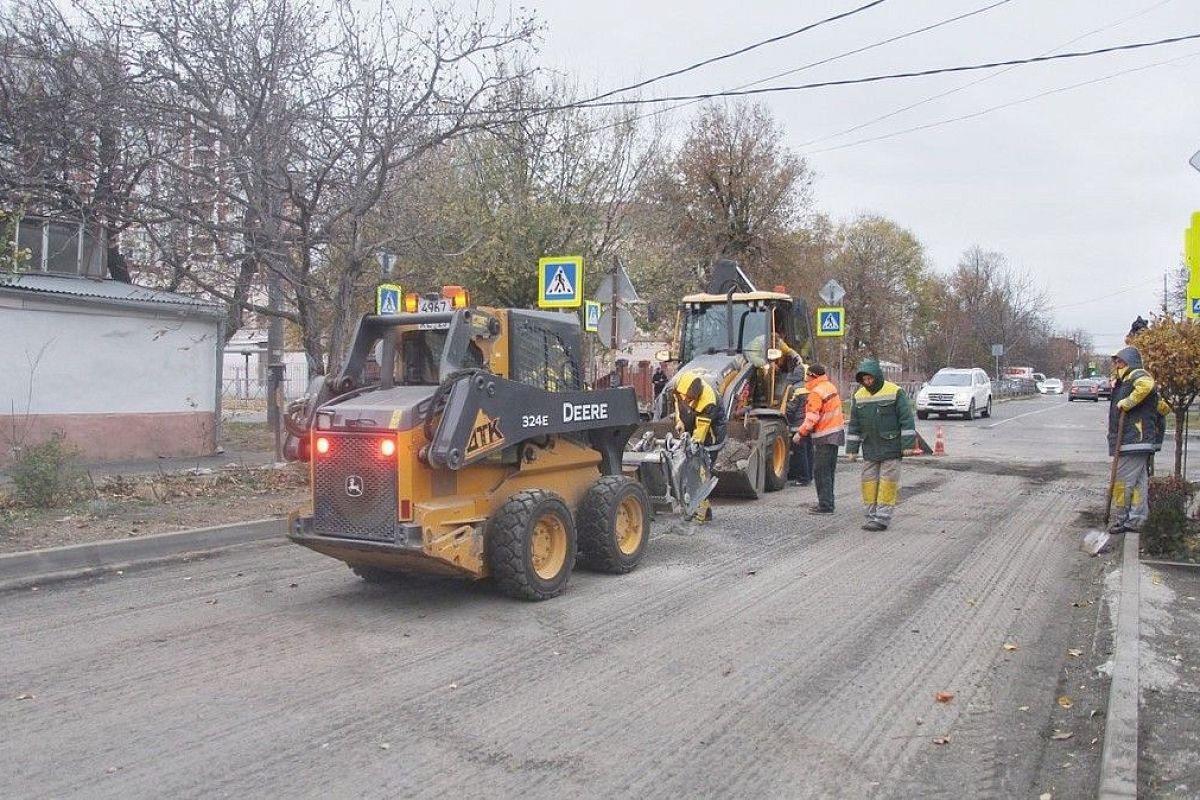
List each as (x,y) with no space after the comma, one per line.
(486,434)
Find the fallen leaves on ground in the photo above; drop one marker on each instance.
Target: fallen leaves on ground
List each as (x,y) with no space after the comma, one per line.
(1009,646)
(26,696)
(942,740)
(1065,701)
(1061,735)
(944,697)
(1074,653)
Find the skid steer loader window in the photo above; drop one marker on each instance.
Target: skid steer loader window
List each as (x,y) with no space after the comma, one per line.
(543,360)
(419,356)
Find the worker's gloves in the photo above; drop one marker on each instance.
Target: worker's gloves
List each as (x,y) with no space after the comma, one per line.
(1125,405)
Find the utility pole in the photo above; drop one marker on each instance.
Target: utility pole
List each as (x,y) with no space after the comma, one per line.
(275,359)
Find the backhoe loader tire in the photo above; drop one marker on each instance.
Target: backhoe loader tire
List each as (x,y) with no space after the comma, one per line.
(776,455)
(530,545)
(376,574)
(614,525)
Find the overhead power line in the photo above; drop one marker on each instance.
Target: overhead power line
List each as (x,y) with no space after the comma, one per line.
(999,107)
(740,51)
(886,77)
(836,57)
(939,95)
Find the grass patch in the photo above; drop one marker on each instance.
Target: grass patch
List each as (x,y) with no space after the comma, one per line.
(256,436)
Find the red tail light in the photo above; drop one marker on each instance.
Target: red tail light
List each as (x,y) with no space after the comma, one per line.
(387,448)
(322,445)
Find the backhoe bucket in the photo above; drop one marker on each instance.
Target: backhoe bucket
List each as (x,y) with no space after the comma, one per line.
(738,469)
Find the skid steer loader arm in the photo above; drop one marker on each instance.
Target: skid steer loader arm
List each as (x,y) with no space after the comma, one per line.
(485,413)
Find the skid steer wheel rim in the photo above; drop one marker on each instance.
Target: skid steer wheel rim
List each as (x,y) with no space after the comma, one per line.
(548,546)
(779,454)
(629,526)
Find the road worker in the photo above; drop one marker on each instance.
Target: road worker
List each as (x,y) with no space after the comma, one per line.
(698,411)
(1134,398)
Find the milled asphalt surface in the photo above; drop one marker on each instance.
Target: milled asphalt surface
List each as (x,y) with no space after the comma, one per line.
(771,653)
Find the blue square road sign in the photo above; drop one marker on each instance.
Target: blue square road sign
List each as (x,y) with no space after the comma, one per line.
(387,298)
(560,282)
(831,321)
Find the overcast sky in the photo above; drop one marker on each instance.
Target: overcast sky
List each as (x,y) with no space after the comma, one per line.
(1087,189)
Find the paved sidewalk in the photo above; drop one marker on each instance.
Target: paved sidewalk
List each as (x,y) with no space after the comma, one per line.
(1169,741)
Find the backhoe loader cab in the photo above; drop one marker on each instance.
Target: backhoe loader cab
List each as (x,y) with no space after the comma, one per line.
(464,443)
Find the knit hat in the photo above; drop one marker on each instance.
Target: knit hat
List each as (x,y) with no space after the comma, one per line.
(815,370)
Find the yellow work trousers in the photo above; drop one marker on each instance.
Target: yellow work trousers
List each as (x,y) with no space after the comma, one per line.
(881,489)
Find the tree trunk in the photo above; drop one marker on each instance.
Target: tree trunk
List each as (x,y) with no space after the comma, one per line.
(1180,421)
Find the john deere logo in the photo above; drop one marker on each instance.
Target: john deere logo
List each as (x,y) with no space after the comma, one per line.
(485,435)
(354,486)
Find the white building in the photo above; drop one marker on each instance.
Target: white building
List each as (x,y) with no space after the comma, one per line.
(125,372)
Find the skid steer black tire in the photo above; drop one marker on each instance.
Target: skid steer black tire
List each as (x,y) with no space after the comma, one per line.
(614,525)
(775,464)
(513,555)
(376,575)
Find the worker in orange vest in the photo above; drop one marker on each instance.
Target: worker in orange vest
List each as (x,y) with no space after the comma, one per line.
(826,425)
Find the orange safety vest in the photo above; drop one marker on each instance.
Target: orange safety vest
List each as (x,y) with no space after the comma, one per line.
(823,414)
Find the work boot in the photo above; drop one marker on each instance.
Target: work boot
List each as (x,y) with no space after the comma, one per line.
(874,525)
(1117,527)
(819,510)
(703,515)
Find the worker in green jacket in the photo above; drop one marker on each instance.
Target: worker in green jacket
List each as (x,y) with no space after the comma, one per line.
(881,426)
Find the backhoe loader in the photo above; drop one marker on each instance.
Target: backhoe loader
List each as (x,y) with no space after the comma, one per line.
(732,335)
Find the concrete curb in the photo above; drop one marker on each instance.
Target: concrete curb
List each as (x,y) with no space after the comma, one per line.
(18,570)
(1119,760)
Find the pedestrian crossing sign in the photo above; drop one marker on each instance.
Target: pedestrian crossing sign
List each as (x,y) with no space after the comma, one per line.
(591,316)
(560,282)
(387,298)
(831,321)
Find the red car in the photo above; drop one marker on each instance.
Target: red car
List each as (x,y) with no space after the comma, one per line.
(1085,389)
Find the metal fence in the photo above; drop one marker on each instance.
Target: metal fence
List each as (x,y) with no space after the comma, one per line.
(238,383)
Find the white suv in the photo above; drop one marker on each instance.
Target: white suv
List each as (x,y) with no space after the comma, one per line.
(956,391)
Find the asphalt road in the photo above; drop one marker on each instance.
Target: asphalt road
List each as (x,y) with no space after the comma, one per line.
(769,654)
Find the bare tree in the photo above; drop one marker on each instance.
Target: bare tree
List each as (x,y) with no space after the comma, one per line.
(734,189)
(290,118)
(75,125)
(483,210)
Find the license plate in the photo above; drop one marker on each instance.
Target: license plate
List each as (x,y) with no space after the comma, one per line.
(430,306)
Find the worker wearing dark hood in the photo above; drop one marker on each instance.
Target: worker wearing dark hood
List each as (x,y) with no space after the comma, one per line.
(882,427)
(1134,398)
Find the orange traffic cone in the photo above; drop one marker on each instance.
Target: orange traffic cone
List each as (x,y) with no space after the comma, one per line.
(939,442)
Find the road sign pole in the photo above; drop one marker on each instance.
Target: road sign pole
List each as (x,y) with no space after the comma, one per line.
(616,305)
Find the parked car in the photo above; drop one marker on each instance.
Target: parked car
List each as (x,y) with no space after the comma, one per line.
(956,391)
(1104,385)
(1084,389)
(1051,386)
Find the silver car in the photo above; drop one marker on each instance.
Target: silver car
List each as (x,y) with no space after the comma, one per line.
(956,391)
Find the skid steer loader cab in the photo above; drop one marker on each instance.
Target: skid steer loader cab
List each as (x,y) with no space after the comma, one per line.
(464,443)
